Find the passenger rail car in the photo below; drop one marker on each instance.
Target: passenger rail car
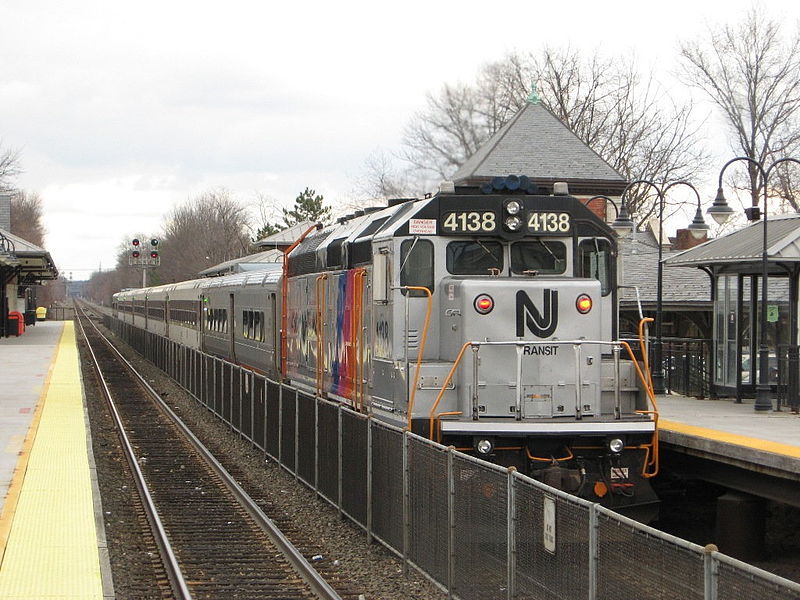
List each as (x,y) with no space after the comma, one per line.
(487,321)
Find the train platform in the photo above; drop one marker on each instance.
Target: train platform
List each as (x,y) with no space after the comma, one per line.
(51,528)
(759,449)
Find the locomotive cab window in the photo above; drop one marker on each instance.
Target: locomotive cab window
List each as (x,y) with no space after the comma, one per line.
(416,265)
(474,257)
(594,261)
(540,256)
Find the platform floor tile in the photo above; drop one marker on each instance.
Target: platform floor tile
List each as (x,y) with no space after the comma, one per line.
(52,546)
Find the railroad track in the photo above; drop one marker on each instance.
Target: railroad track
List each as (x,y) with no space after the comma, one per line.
(213,539)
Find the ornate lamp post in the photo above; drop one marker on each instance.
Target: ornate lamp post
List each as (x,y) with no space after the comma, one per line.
(623,224)
(720,206)
(697,227)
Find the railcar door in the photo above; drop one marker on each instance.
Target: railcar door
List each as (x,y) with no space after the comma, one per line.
(232,328)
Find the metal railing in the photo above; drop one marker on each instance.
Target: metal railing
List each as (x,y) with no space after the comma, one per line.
(788,389)
(476,529)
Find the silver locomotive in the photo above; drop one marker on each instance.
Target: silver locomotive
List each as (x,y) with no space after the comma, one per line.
(486,320)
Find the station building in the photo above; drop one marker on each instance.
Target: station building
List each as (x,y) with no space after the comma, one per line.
(23,265)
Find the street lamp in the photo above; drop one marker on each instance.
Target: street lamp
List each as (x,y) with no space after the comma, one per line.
(623,224)
(720,206)
(697,228)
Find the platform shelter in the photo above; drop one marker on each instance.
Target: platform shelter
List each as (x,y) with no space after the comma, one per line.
(734,262)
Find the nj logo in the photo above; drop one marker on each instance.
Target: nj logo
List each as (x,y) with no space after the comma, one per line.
(541,324)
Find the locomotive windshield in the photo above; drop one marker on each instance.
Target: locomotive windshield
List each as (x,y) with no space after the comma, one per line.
(540,256)
(474,257)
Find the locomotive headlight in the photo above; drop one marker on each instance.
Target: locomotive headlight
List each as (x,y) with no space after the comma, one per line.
(583,303)
(513,223)
(616,445)
(484,304)
(513,207)
(484,447)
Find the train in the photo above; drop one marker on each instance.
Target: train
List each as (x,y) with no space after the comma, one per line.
(484,318)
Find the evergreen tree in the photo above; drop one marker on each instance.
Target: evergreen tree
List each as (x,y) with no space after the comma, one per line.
(307,207)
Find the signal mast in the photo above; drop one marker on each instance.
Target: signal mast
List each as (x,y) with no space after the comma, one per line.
(149,261)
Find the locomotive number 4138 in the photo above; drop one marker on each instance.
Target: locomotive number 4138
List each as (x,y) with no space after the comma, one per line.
(469,221)
(548,222)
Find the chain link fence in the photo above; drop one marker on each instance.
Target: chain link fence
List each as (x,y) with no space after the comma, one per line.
(478,530)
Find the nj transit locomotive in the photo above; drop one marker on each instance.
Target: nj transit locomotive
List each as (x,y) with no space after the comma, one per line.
(481,320)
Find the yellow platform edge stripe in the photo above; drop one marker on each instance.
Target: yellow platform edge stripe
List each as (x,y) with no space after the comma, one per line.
(731,438)
(52,550)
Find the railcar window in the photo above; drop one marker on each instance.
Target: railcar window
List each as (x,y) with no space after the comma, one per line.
(540,256)
(474,257)
(416,265)
(594,260)
(258,326)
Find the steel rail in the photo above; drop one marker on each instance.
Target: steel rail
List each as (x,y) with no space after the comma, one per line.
(304,569)
(171,566)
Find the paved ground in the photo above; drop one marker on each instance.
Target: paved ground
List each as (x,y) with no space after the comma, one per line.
(24,364)
(740,419)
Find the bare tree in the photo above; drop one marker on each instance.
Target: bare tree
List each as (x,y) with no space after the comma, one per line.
(625,117)
(751,75)
(26,217)
(205,231)
(9,168)
(381,179)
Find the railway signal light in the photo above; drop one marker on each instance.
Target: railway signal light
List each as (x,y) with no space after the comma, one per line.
(135,254)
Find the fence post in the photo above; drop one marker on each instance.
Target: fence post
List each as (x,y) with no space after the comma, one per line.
(369,479)
(512,535)
(594,525)
(316,444)
(710,572)
(296,435)
(406,504)
(451,522)
(341,461)
(280,424)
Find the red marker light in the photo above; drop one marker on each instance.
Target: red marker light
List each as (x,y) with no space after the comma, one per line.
(484,304)
(583,304)
(135,254)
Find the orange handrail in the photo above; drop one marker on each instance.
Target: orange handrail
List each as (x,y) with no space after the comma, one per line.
(358,307)
(651,449)
(432,413)
(320,329)
(421,350)
(285,298)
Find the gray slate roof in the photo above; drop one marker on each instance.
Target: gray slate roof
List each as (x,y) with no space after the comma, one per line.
(746,245)
(639,251)
(537,144)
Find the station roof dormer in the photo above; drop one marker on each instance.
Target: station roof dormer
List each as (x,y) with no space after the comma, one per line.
(536,143)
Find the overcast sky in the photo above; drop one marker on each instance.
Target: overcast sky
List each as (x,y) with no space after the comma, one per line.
(123,109)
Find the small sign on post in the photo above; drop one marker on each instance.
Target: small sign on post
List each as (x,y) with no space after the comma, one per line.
(772,313)
(549,522)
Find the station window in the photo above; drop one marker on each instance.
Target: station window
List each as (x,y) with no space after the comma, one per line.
(474,258)
(594,261)
(539,256)
(416,265)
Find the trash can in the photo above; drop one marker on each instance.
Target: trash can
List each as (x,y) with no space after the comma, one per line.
(14,324)
(41,313)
